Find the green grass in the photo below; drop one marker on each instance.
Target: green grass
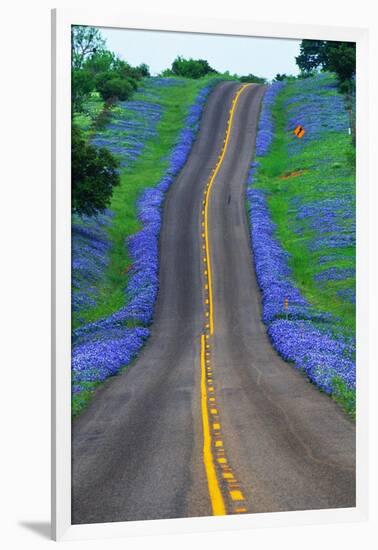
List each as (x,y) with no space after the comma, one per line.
(146,172)
(318,163)
(91,111)
(344,396)
(307,175)
(81,400)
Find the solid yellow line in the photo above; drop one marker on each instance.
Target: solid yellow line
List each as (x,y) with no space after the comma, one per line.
(211,181)
(215,493)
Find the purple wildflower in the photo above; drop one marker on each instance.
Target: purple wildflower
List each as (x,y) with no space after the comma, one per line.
(102,347)
(301,334)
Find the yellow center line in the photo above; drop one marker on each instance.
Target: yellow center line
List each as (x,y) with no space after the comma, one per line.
(216,498)
(207,196)
(212,431)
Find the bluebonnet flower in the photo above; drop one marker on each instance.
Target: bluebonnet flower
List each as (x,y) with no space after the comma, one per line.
(265,132)
(320,355)
(131,124)
(335,274)
(318,107)
(332,220)
(102,347)
(300,333)
(348,294)
(97,358)
(90,249)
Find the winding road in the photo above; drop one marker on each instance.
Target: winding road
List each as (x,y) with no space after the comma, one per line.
(209,419)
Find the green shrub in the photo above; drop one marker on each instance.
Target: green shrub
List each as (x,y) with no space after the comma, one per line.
(115,88)
(191,68)
(94,174)
(252,78)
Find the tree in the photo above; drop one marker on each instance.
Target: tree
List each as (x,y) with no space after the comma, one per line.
(337,57)
(143,70)
(82,84)
(342,59)
(86,41)
(252,78)
(100,62)
(94,175)
(191,68)
(166,73)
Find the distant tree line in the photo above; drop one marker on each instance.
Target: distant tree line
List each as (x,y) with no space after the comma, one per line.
(198,68)
(189,68)
(96,69)
(253,79)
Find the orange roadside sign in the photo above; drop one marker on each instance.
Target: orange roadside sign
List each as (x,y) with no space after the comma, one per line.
(299,131)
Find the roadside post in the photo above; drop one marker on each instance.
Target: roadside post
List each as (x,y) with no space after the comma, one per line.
(286,306)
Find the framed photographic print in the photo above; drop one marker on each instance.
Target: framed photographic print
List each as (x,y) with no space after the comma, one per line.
(210,201)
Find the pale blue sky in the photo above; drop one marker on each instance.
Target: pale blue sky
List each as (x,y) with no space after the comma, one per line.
(241,55)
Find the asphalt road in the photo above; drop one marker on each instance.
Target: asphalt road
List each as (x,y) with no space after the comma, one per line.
(138,448)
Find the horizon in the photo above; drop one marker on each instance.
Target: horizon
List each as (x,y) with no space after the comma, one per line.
(238,55)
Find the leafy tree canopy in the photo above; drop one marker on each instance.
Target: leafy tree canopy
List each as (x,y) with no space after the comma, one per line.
(100,62)
(94,175)
(337,57)
(190,68)
(143,69)
(252,78)
(86,41)
(96,68)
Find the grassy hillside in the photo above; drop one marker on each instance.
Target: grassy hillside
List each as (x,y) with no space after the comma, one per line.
(141,132)
(115,258)
(308,185)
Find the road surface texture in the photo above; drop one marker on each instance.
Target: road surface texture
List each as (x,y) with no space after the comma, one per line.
(209,419)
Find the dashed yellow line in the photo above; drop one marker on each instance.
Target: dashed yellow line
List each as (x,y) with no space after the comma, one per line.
(225,492)
(215,493)
(210,183)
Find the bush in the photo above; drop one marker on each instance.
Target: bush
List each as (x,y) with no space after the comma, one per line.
(281,77)
(346,87)
(143,70)
(166,73)
(191,68)
(133,83)
(252,78)
(93,175)
(306,74)
(115,88)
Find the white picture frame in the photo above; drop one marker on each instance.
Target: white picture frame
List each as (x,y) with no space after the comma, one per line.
(62,529)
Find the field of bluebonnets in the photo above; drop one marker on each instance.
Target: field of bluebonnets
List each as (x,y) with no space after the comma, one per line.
(115,255)
(301,199)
